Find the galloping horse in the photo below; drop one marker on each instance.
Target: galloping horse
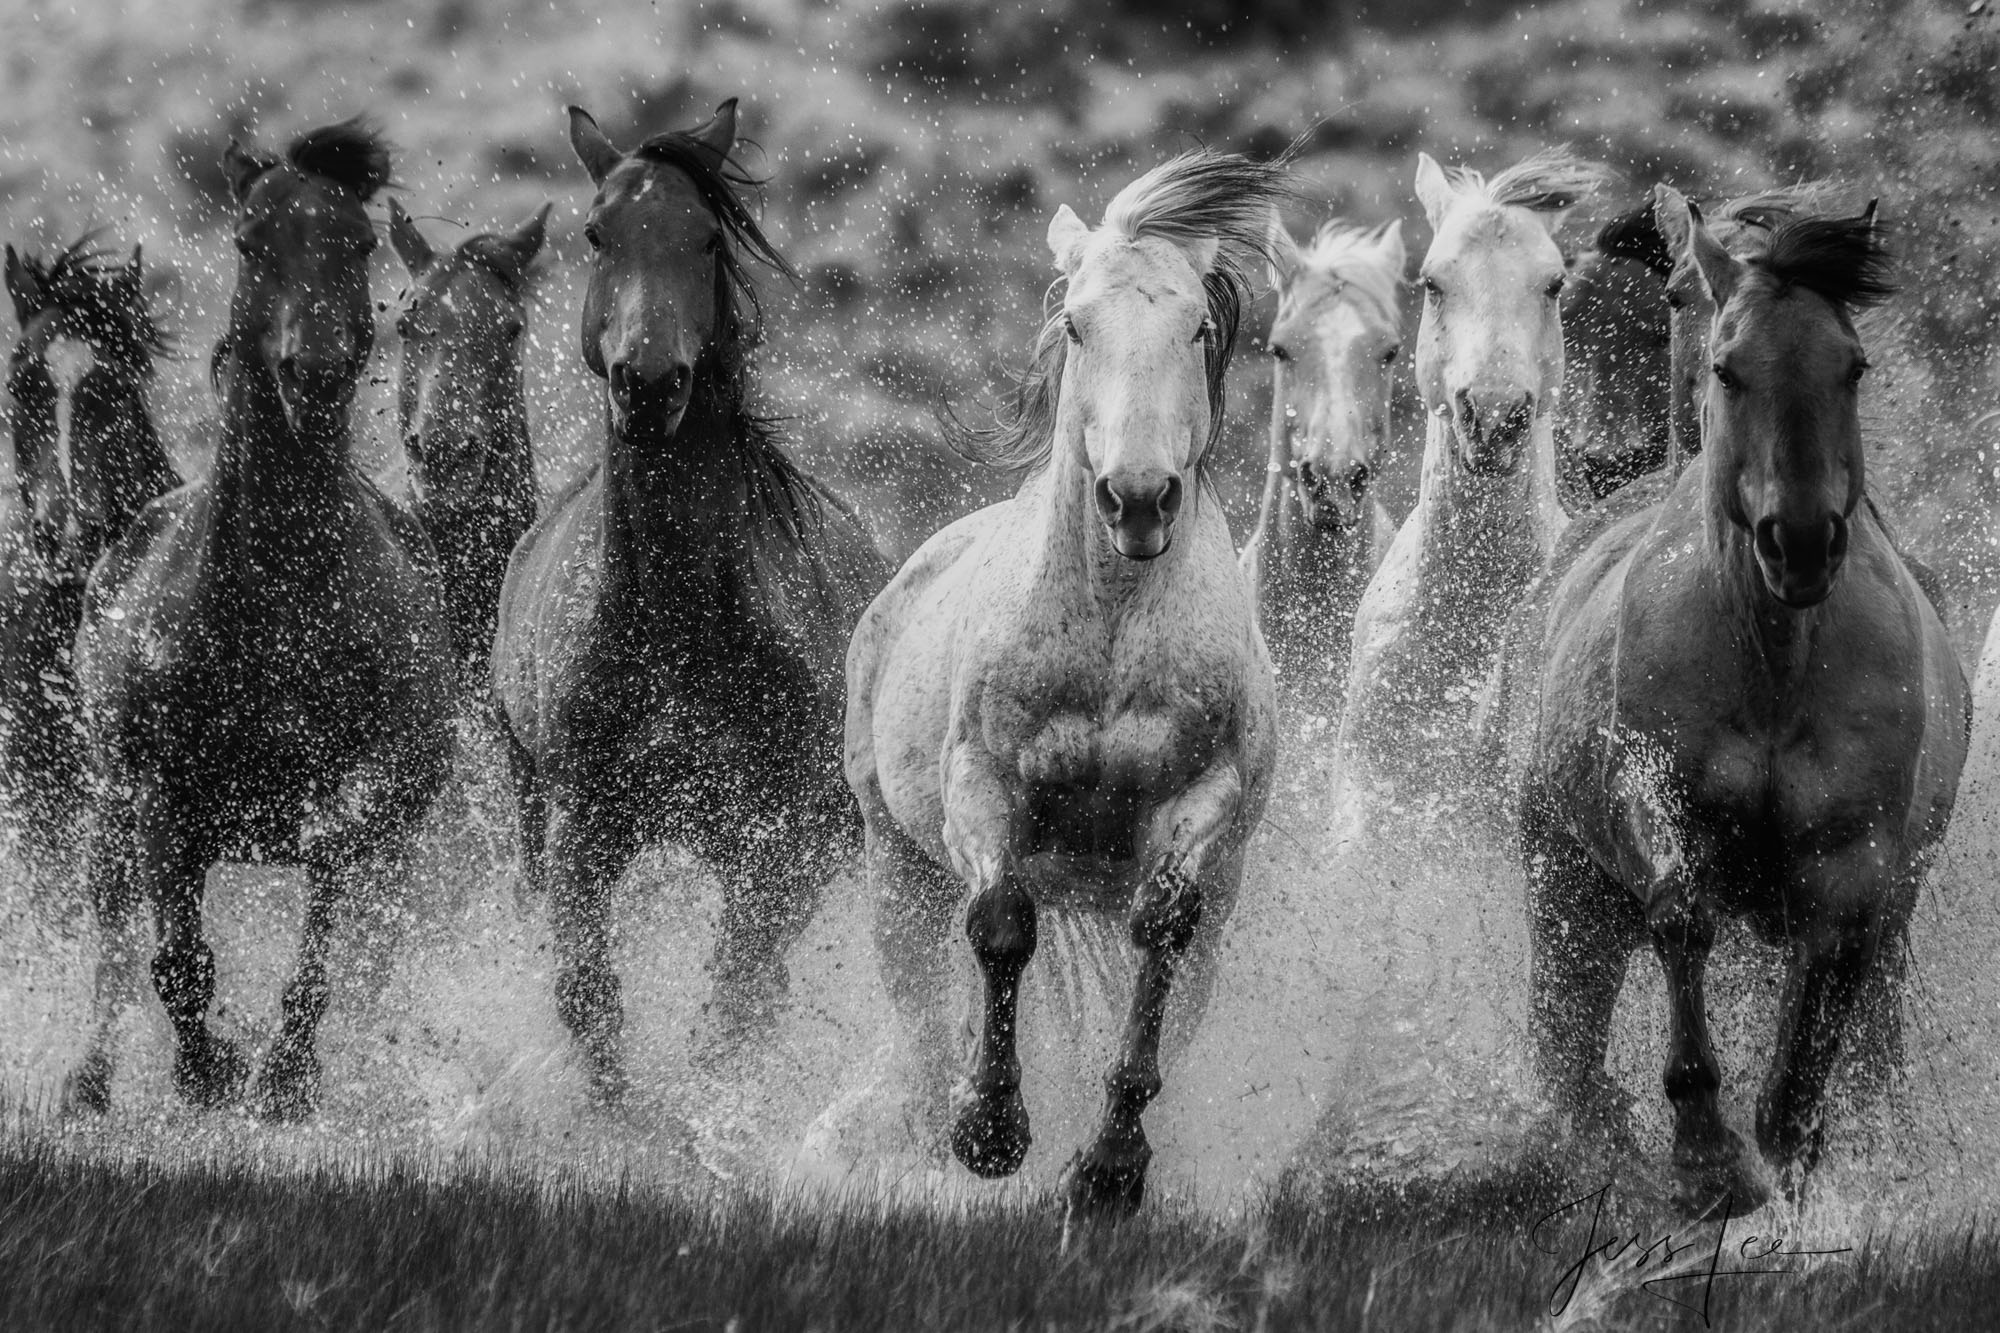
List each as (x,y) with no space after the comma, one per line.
(1320,530)
(1746,704)
(1064,698)
(1613,427)
(264,662)
(99,426)
(1489,365)
(671,631)
(464,415)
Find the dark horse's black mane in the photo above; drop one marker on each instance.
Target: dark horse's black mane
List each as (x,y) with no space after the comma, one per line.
(1635,235)
(780,492)
(1843,260)
(352,153)
(83,281)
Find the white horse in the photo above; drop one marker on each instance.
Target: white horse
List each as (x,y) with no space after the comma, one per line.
(1489,366)
(1335,342)
(1063,700)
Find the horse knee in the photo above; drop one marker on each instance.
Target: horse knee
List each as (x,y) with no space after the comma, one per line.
(184,977)
(1691,1074)
(588,1001)
(1002,925)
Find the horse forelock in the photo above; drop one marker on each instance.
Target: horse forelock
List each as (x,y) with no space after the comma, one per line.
(1843,260)
(87,283)
(1551,181)
(1351,255)
(352,153)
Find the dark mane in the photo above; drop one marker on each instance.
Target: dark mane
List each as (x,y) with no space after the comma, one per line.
(352,153)
(1200,197)
(99,300)
(1843,260)
(1636,235)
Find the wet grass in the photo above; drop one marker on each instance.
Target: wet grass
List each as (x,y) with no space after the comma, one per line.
(87,1243)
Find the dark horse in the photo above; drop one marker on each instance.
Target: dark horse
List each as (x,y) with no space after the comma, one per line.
(264,662)
(1615,334)
(1746,704)
(463,413)
(673,632)
(66,518)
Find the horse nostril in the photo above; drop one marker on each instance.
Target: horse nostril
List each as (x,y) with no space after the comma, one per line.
(1836,546)
(1108,506)
(1357,479)
(1770,546)
(1170,499)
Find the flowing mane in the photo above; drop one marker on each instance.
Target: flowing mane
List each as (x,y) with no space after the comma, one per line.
(86,283)
(1551,181)
(1351,254)
(1199,198)
(1842,260)
(1636,235)
(352,152)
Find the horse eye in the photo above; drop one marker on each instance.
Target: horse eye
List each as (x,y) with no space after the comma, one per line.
(1069,327)
(1723,377)
(1206,331)
(1281,352)
(1431,288)
(591,236)
(1555,287)
(1674,301)
(513,329)
(242,245)
(714,245)
(1854,375)
(1389,357)
(405,326)
(1358,480)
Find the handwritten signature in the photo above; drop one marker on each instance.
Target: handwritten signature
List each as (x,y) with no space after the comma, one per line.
(1663,1256)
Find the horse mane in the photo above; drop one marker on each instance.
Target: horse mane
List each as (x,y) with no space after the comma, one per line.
(84,281)
(1550,181)
(780,493)
(1351,254)
(491,251)
(1637,235)
(352,152)
(1198,198)
(1843,260)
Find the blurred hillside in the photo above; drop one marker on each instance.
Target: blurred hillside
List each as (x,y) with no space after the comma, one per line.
(916,148)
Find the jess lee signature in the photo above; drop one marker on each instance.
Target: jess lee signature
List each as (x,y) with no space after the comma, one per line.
(1662,1256)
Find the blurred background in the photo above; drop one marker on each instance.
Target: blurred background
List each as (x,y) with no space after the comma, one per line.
(916,148)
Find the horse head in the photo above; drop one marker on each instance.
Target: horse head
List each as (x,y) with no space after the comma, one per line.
(1150,308)
(460,328)
(1337,335)
(1781,420)
(1489,345)
(665,231)
(301,308)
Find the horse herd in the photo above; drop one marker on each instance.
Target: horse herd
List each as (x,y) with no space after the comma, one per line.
(1684,648)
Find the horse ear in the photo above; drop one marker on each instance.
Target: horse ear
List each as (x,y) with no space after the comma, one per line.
(520,246)
(1285,257)
(1394,253)
(592,147)
(1673,215)
(1719,269)
(720,131)
(1868,215)
(242,167)
(1067,233)
(1434,190)
(408,243)
(21,286)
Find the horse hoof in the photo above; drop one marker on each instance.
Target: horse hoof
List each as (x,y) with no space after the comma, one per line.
(608,1085)
(87,1090)
(990,1134)
(1099,1184)
(210,1075)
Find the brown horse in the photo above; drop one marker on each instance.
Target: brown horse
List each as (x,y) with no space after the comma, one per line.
(464,415)
(1613,427)
(1744,703)
(672,631)
(264,663)
(86,460)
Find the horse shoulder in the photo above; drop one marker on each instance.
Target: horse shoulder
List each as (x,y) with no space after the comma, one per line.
(551,577)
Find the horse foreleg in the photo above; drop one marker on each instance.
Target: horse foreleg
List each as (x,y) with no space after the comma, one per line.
(208,1070)
(1582,927)
(990,1133)
(1826,974)
(531,810)
(288,1087)
(1707,1154)
(914,900)
(1166,912)
(116,987)
(586,855)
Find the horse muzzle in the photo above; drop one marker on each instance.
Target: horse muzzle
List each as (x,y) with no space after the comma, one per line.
(1799,561)
(1332,499)
(1492,430)
(1139,513)
(651,396)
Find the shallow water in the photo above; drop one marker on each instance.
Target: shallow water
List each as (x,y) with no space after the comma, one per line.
(1367,1016)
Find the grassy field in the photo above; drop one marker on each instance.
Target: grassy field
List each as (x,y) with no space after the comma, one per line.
(90,1244)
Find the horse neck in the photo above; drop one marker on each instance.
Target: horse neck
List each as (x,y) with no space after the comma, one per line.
(273,496)
(1485,537)
(124,466)
(35,396)
(677,514)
